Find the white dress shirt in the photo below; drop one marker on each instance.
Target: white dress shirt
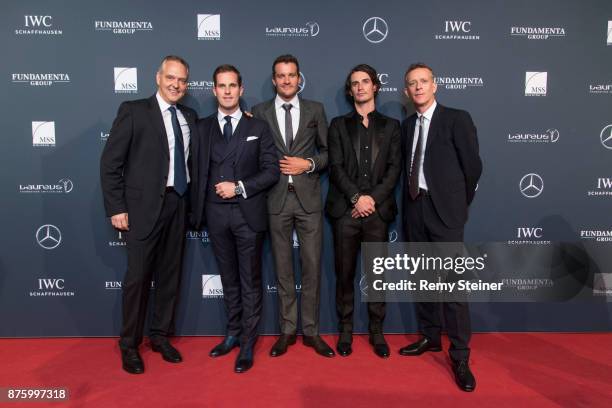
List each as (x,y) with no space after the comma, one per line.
(236,116)
(167,116)
(295,122)
(280,115)
(426,122)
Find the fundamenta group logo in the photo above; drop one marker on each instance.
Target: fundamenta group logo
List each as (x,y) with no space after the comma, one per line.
(459,82)
(537,33)
(40,79)
(123,27)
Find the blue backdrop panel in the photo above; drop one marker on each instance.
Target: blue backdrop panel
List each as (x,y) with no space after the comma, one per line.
(535,75)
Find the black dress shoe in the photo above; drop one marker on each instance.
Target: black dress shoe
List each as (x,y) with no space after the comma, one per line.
(463,375)
(319,345)
(344,344)
(420,347)
(244,361)
(221,349)
(132,362)
(169,353)
(280,347)
(381,348)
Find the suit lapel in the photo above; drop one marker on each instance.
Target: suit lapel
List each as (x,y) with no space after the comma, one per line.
(409,141)
(189,118)
(305,115)
(378,126)
(240,135)
(351,124)
(158,123)
(436,118)
(271,118)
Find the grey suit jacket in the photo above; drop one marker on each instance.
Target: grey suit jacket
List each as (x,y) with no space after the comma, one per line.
(310,142)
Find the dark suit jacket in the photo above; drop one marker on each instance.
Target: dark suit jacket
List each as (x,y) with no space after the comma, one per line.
(452,165)
(134,163)
(256,165)
(344,166)
(310,142)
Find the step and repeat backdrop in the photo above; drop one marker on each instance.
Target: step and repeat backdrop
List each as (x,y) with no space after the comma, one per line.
(535,75)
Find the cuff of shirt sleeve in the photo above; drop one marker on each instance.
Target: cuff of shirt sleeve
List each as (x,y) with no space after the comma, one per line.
(312,169)
(244,194)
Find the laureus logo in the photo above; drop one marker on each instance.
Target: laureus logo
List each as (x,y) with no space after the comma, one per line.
(548,136)
(64,185)
(310,29)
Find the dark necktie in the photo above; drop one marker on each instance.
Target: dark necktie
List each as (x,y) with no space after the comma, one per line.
(288,125)
(227,128)
(180,174)
(415,166)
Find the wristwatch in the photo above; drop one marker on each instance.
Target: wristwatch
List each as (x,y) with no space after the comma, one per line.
(355,198)
(237,189)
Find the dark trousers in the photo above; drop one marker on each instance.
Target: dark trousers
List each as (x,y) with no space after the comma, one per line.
(159,257)
(349,233)
(309,229)
(238,250)
(422,224)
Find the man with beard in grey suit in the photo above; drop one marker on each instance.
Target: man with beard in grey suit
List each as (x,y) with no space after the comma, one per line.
(299,128)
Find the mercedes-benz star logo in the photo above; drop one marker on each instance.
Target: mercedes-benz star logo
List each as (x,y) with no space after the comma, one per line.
(531,185)
(301,83)
(375,29)
(313,27)
(606,137)
(48,236)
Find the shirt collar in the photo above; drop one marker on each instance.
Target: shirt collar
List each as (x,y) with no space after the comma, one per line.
(163,105)
(372,115)
(429,112)
(237,115)
(279,102)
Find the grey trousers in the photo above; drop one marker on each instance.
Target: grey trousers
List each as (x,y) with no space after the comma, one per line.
(309,228)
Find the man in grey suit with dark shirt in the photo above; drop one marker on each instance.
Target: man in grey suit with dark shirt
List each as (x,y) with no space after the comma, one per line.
(299,128)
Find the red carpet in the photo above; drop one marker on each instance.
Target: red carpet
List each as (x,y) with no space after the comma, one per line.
(538,370)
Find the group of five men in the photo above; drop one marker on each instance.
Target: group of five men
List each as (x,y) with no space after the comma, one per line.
(238,174)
